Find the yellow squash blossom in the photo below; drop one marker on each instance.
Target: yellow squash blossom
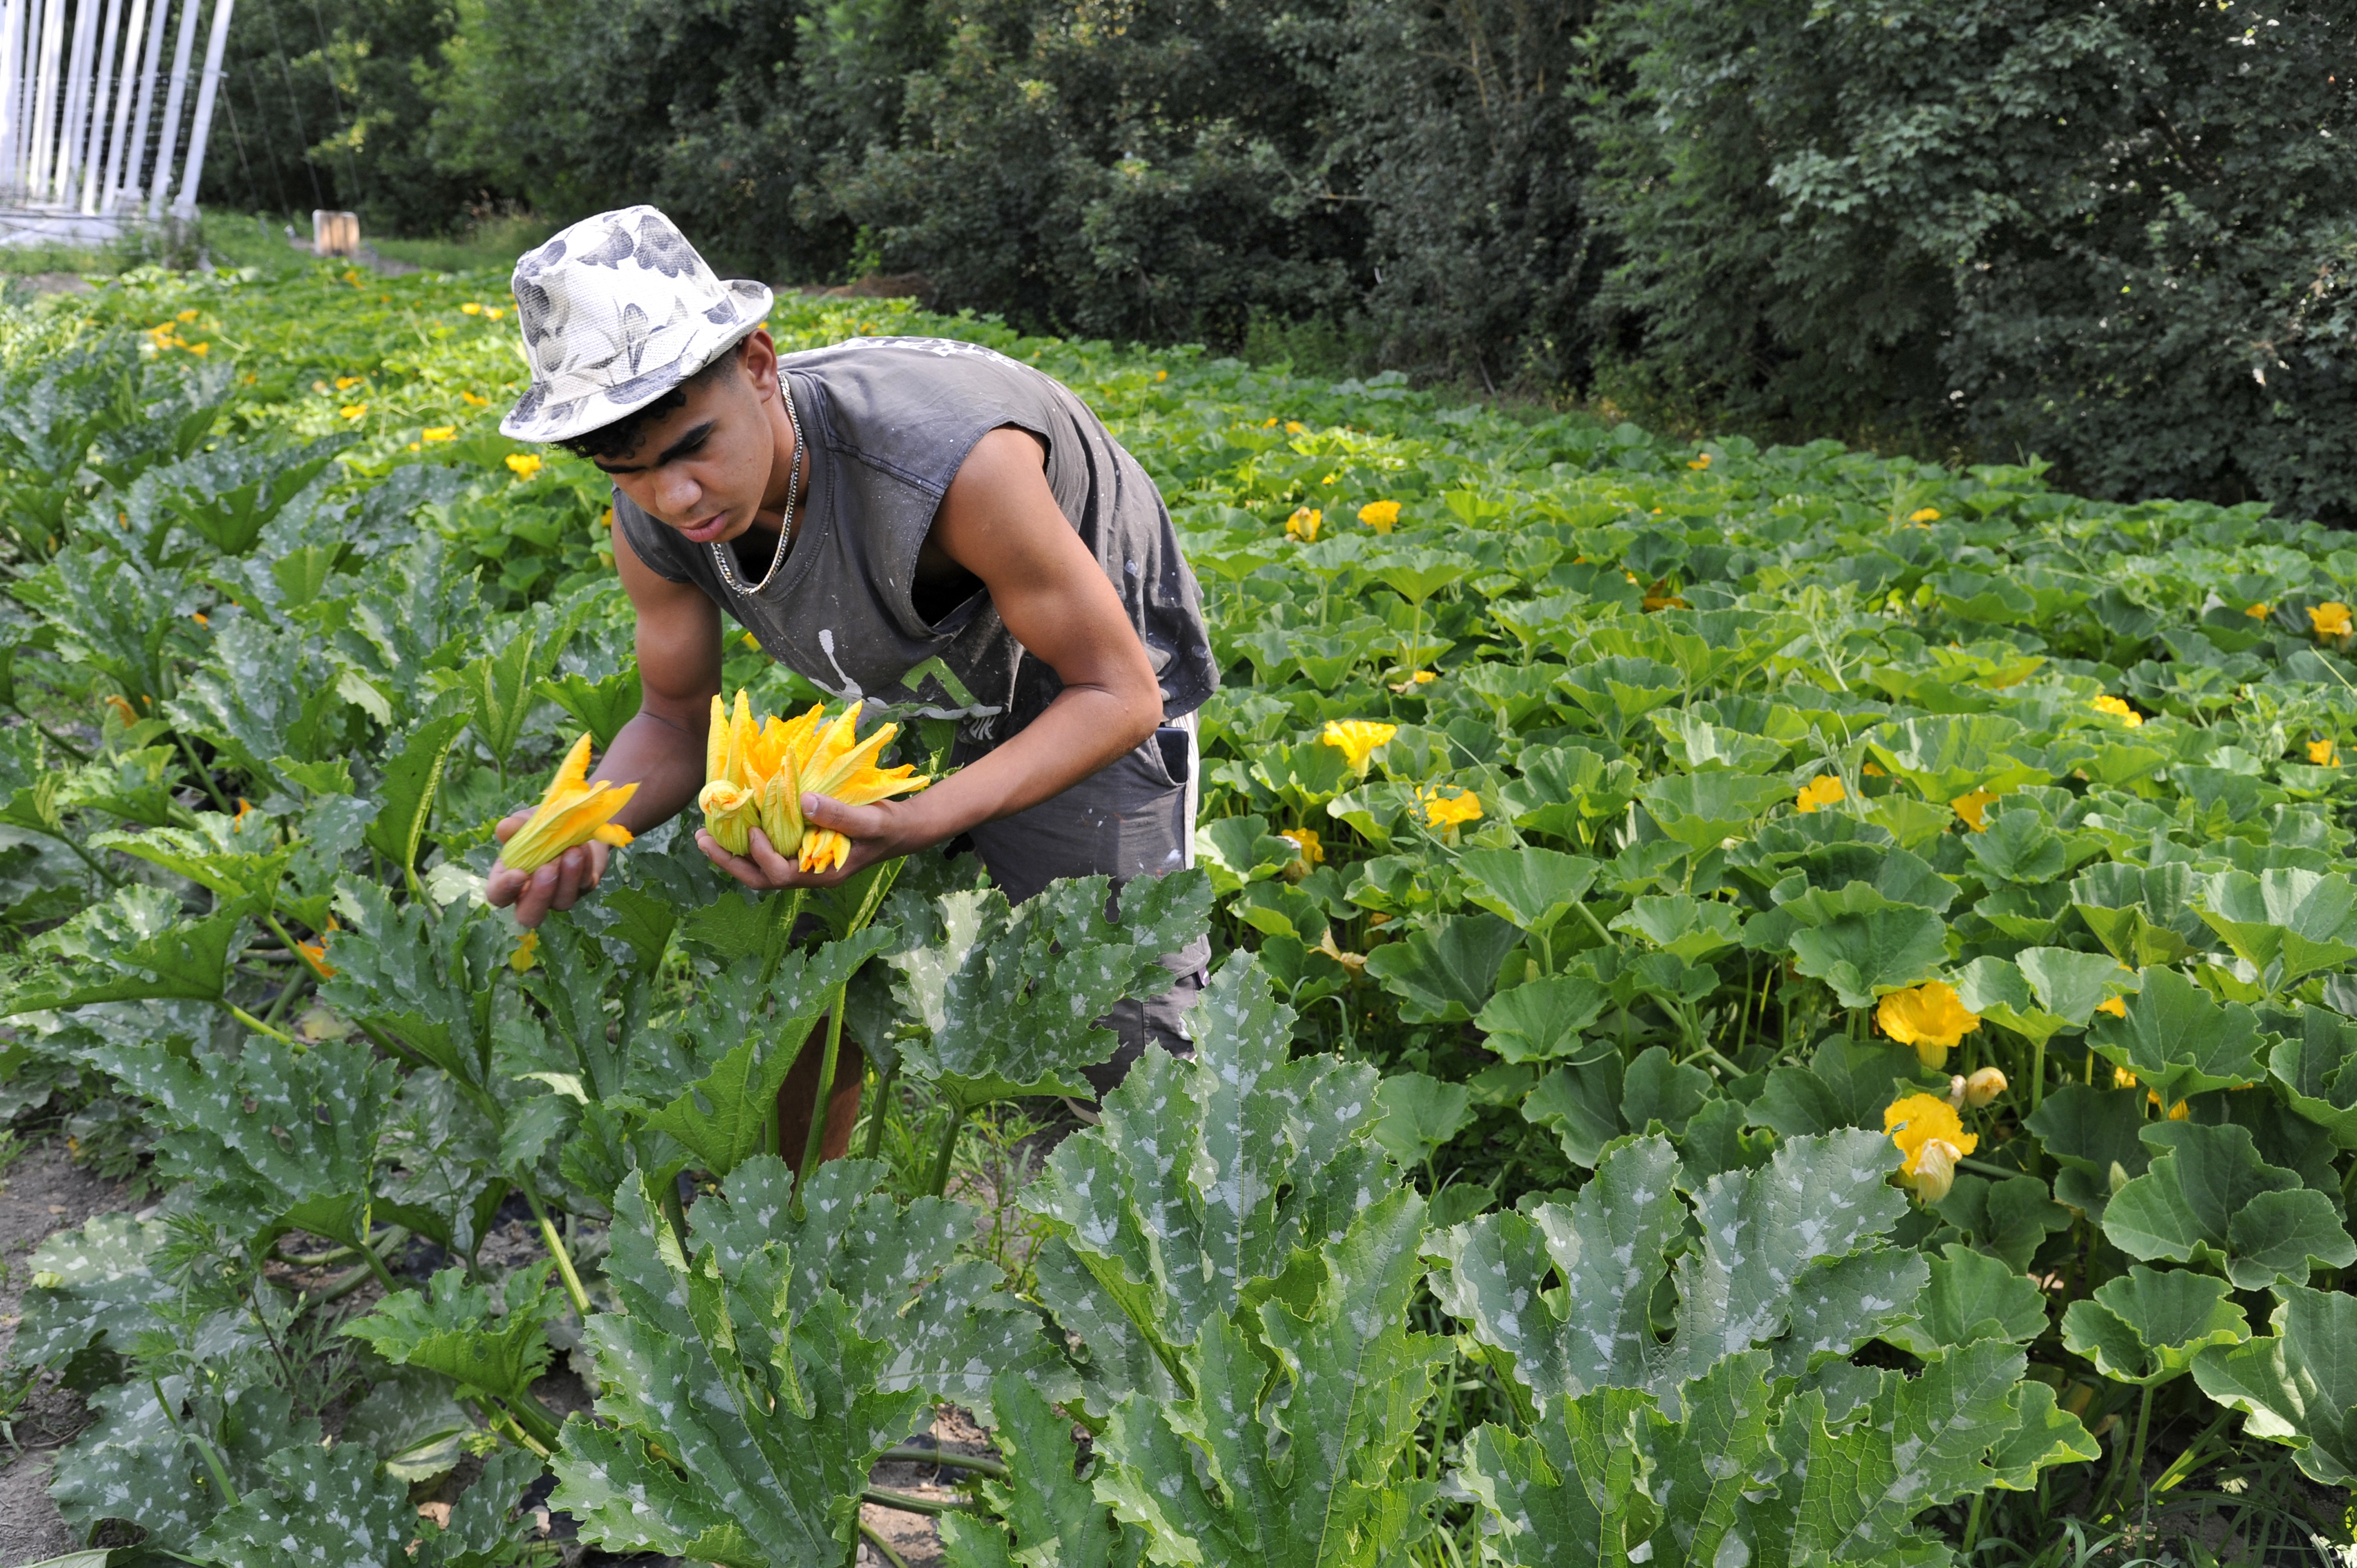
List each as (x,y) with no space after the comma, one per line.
(1823,790)
(1307,849)
(318,954)
(574,812)
(1380,515)
(1415,678)
(1974,809)
(345,384)
(1448,811)
(439,433)
(2330,619)
(353,409)
(2324,754)
(1294,427)
(527,952)
(1357,739)
(1931,1141)
(474,399)
(756,775)
(1874,770)
(1928,1017)
(2118,708)
(470,308)
(1983,1086)
(523,465)
(2259,611)
(1699,462)
(1303,524)
(1926,514)
(2115,1006)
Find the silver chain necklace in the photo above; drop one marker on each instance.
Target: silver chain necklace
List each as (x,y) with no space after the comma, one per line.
(720,551)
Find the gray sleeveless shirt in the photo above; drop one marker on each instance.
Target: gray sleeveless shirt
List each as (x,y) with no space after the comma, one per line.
(889,421)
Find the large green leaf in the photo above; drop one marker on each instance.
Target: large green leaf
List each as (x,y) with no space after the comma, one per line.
(241,871)
(601,707)
(1541,1020)
(1971,1296)
(2313,1068)
(2140,914)
(1420,1113)
(2039,992)
(424,979)
(134,947)
(1204,1175)
(1846,1084)
(1047,1510)
(1301,1468)
(1445,975)
(1946,756)
(1019,1009)
(412,780)
(1579,1491)
(2210,1198)
(2092,1135)
(2145,1326)
(2287,924)
(458,1328)
(133,1463)
(1701,810)
(1534,888)
(1862,945)
(723,1118)
(319,1505)
(2298,1385)
(275,1137)
(1616,691)
(1692,929)
(98,1281)
(2179,1040)
(1790,1258)
(766,1422)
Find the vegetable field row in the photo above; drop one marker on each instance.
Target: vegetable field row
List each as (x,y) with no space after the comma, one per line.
(1774,1006)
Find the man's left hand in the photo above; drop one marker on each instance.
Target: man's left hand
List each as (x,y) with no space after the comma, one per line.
(876,832)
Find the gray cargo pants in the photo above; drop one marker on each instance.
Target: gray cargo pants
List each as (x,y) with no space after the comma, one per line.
(1136,818)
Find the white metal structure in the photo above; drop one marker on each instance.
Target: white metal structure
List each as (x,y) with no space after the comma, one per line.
(82,149)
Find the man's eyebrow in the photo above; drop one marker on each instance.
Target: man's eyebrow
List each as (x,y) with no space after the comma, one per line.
(694,438)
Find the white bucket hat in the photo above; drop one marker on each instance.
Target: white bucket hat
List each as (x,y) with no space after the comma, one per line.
(615,311)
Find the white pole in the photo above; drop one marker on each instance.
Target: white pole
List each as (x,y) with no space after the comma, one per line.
(135,159)
(167,138)
(12,73)
(207,89)
(75,122)
(93,157)
(45,108)
(113,177)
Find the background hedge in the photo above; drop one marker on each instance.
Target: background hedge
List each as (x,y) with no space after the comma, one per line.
(2119,235)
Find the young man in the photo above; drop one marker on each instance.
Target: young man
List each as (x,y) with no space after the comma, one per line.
(862,509)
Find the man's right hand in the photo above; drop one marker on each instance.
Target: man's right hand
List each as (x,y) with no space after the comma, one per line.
(556,885)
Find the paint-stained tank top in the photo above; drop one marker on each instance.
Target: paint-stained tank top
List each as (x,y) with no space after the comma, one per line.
(888,421)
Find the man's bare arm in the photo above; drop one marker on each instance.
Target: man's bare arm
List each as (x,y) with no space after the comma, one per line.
(661,747)
(1000,522)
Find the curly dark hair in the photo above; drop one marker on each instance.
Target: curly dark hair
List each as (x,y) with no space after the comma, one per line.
(612,443)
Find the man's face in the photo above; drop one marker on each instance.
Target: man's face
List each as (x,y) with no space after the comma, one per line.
(704,469)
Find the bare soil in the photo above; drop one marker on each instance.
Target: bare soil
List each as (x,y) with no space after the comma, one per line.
(43,1192)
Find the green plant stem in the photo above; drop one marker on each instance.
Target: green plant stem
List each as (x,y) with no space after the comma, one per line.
(2037,1074)
(556,1248)
(904,1455)
(939,1182)
(204,775)
(258,1027)
(884,1497)
(1594,925)
(205,1449)
(52,736)
(2194,1456)
(2135,1453)
(876,1115)
(534,1422)
(376,1266)
(81,855)
(883,1548)
(814,1142)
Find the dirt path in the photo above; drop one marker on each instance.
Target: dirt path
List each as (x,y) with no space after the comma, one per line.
(43,1192)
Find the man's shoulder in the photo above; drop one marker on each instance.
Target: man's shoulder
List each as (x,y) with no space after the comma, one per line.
(913,407)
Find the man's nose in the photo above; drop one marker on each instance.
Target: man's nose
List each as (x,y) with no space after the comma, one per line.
(677,494)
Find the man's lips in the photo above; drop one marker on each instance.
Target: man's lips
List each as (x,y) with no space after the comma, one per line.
(710,528)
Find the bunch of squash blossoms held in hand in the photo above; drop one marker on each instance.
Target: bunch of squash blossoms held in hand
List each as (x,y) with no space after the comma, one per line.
(756,775)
